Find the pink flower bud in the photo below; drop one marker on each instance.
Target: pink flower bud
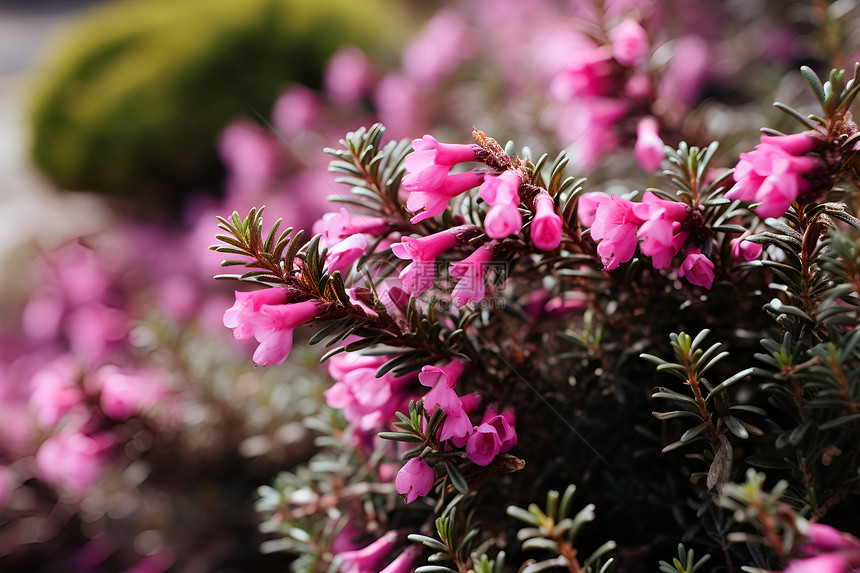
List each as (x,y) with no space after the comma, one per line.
(743,250)
(546,225)
(648,150)
(698,269)
(415,479)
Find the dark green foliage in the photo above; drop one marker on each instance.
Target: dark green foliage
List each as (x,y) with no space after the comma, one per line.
(137,91)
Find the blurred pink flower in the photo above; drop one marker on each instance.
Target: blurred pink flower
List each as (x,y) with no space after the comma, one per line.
(429,60)
(6,485)
(415,479)
(348,75)
(629,42)
(93,329)
(55,390)
(405,562)
(297,110)
(698,269)
(123,394)
(72,460)
(686,73)
(775,172)
(251,156)
(826,563)
(590,75)
(546,226)
(399,104)
(648,150)
(368,559)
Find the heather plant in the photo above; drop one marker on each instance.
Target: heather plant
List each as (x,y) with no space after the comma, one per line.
(490,331)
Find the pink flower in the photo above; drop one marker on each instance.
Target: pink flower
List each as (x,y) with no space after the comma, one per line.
(368,402)
(442,380)
(648,150)
(629,42)
(661,233)
(243,316)
(72,460)
(483,444)
(502,194)
(419,275)
(546,224)
(251,157)
(504,425)
(274,331)
(743,250)
(415,479)
(368,559)
(821,538)
(774,173)
(471,272)
(615,226)
(429,164)
(698,269)
(342,255)
(587,209)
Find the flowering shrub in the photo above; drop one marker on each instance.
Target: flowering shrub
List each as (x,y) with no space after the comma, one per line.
(675,334)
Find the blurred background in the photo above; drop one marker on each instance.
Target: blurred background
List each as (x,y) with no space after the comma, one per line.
(134,431)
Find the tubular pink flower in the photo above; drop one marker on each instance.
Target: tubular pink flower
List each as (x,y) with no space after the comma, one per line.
(483,444)
(443,395)
(698,269)
(415,479)
(368,558)
(629,42)
(429,164)
(648,150)
(773,174)
(419,275)
(431,200)
(615,226)
(590,76)
(546,225)
(471,272)
(243,316)
(274,331)
(502,194)
(342,255)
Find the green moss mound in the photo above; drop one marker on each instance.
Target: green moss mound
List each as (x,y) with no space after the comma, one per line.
(138,90)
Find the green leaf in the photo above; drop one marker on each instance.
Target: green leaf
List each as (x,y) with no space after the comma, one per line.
(728,382)
(457,479)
